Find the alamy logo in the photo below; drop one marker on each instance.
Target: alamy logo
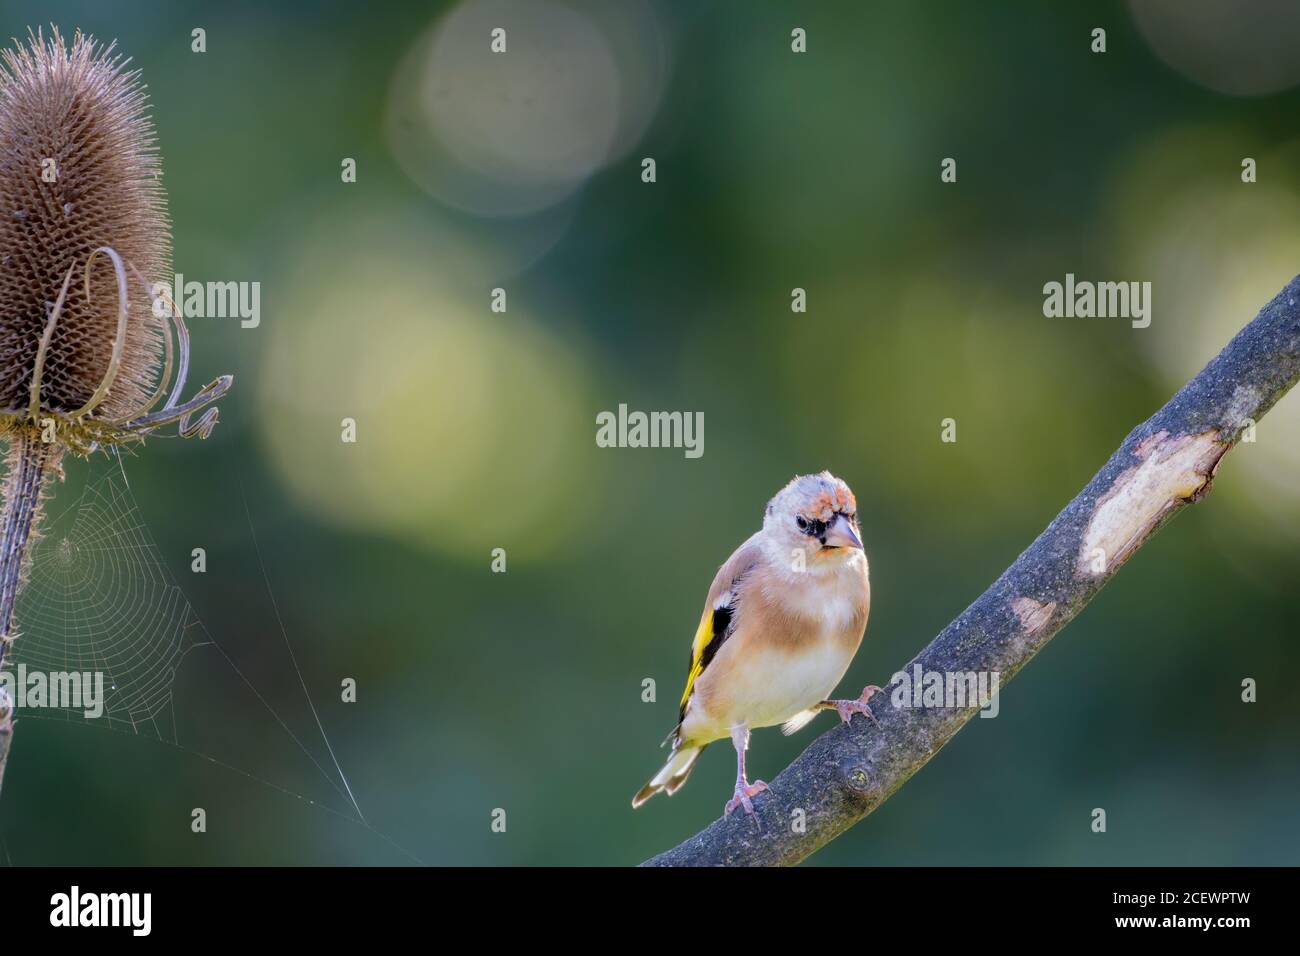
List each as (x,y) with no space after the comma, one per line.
(62,690)
(1102,300)
(210,300)
(946,689)
(651,430)
(103,909)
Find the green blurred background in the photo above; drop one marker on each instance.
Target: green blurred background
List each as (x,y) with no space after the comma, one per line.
(522,690)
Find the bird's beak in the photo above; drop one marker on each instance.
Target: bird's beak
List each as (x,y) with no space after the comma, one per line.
(842,535)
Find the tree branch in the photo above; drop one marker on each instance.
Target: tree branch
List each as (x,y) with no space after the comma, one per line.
(1166,463)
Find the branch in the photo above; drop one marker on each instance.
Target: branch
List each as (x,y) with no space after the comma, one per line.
(1166,463)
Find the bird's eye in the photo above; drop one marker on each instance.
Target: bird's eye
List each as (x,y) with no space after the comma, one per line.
(802,522)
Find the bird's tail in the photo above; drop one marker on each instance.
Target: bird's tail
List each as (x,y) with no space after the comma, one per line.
(672,776)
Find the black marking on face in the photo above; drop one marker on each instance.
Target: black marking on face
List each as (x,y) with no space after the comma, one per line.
(817,528)
(812,528)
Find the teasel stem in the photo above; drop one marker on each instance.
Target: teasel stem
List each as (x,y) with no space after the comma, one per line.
(29,461)
(6,729)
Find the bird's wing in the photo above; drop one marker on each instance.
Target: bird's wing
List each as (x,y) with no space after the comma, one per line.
(719,617)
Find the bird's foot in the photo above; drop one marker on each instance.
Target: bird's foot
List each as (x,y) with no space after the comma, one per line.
(847,708)
(743,795)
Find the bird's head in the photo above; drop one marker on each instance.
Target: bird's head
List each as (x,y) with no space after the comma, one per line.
(815,513)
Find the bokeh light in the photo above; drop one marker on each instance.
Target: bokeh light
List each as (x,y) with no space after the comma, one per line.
(448,399)
(511,133)
(1242,49)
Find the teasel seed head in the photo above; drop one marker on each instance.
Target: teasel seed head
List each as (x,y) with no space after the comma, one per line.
(83,231)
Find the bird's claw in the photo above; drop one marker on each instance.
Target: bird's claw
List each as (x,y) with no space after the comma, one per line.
(847,708)
(743,797)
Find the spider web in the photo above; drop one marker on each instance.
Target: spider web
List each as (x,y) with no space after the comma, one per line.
(99,600)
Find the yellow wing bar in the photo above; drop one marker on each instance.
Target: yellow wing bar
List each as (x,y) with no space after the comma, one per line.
(702,638)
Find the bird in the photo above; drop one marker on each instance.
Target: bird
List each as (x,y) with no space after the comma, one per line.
(782,622)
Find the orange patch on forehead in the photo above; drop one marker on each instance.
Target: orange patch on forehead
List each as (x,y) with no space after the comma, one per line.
(823,505)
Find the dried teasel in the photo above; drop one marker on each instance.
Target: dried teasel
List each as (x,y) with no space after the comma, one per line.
(86,353)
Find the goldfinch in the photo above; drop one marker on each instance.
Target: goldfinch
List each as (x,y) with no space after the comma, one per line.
(782,621)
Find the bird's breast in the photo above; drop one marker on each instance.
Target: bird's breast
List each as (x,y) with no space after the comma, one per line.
(765,674)
(774,682)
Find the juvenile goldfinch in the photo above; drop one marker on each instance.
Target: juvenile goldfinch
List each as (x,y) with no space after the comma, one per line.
(781,624)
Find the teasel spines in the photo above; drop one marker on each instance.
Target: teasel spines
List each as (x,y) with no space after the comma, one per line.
(82,212)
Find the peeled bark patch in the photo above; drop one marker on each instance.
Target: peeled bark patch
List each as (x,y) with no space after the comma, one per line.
(1033,615)
(1172,469)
